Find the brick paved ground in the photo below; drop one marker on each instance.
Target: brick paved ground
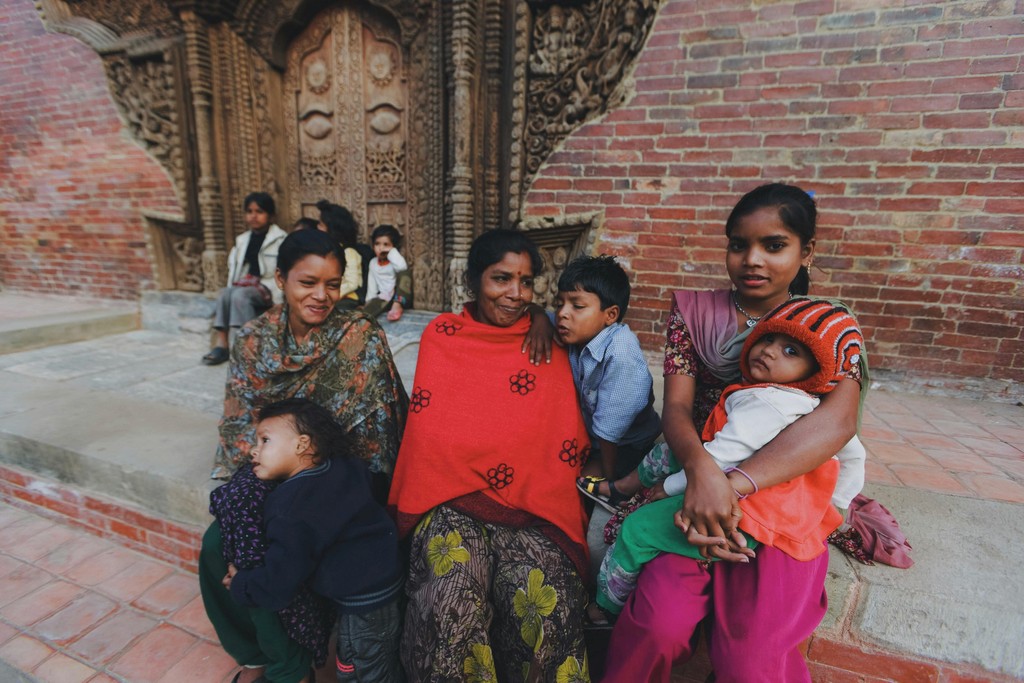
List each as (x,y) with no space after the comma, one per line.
(76,608)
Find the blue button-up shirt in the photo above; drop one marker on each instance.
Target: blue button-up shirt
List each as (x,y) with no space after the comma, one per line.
(615,387)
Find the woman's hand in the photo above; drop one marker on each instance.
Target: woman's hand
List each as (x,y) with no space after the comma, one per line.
(732,547)
(538,339)
(710,511)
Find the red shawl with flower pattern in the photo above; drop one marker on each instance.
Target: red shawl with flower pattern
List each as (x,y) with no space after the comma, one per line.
(490,434)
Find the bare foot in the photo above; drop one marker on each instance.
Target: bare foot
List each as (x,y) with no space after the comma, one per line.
(396,312)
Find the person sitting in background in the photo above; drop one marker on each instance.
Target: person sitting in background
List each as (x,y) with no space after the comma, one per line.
(251,263)
(306,223)
(340,224)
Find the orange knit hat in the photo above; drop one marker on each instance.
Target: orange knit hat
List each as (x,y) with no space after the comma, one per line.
(828,330)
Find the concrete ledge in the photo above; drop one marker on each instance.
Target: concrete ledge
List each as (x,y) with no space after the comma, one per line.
(36,332)
(157,457)
(960,601)
(177,312)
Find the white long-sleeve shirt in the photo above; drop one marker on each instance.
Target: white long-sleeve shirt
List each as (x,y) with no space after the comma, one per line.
(383,277)
(755,416)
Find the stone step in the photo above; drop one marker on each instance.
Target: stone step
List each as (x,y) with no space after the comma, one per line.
(30,323)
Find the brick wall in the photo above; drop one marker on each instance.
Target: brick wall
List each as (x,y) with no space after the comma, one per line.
(908,123)
(72,183)
(104,517)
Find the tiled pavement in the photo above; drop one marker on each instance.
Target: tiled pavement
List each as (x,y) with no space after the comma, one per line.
(945,445)
(76,608)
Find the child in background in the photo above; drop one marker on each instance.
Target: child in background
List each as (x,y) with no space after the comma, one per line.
(306,223)
(320,530)
(388,288)
(612,379)
(796,353)
(339,223)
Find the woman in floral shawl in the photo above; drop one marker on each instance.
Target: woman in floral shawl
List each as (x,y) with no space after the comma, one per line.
(485,487)
(339,359)
(303,348)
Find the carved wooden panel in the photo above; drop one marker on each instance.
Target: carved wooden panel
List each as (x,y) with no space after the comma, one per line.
(570,61)
(346,108)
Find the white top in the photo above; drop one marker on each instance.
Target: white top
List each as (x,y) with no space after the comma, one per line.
(383,278)
(267,259)
(755,417)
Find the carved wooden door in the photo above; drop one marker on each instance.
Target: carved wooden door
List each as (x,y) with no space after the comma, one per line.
(345,97)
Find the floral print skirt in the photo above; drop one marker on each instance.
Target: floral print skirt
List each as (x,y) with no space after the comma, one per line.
(491,603)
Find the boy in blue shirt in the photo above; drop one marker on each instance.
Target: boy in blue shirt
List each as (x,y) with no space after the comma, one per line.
(610,372)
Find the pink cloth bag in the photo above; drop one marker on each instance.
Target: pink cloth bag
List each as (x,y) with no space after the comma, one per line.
(883,540)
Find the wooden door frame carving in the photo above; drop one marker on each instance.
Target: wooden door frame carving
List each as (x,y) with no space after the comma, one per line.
(492,116)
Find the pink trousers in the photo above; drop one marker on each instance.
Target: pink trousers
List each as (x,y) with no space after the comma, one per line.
(759,614)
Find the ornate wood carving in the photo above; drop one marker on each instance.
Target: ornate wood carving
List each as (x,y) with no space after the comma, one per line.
(560,239)
(570,60)
(490,116)
(346,104)
(411,115)
(268,25)
(463,210)
(200,76)
(148,93)
(351,85)
(130,17)
(425,243)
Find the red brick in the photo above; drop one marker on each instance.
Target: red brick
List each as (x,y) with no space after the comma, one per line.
(887,667)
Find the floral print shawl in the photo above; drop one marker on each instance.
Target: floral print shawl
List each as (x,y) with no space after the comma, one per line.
(345,366)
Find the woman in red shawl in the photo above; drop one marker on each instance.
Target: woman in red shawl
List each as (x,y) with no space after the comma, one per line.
(485,487)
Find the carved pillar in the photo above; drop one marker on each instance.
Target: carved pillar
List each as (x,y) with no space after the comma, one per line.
(464,22)
(491,133)
(211,208)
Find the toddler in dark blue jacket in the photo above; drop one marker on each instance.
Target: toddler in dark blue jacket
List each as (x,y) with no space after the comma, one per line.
(323,530)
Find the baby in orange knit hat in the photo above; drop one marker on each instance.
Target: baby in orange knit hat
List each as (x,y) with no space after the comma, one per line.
(796,353)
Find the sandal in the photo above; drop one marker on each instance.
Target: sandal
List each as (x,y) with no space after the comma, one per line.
(588,487)
(216,356)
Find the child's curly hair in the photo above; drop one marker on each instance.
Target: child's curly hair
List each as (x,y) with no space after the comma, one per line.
(327,438)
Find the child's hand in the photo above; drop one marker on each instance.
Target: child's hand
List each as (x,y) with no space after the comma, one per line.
(658,492)
(226,581)
(538,339)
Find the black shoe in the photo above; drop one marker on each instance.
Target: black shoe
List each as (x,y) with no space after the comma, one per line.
(216,356)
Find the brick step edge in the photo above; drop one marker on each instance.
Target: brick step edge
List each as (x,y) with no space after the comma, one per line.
(836,658)
(177,544)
